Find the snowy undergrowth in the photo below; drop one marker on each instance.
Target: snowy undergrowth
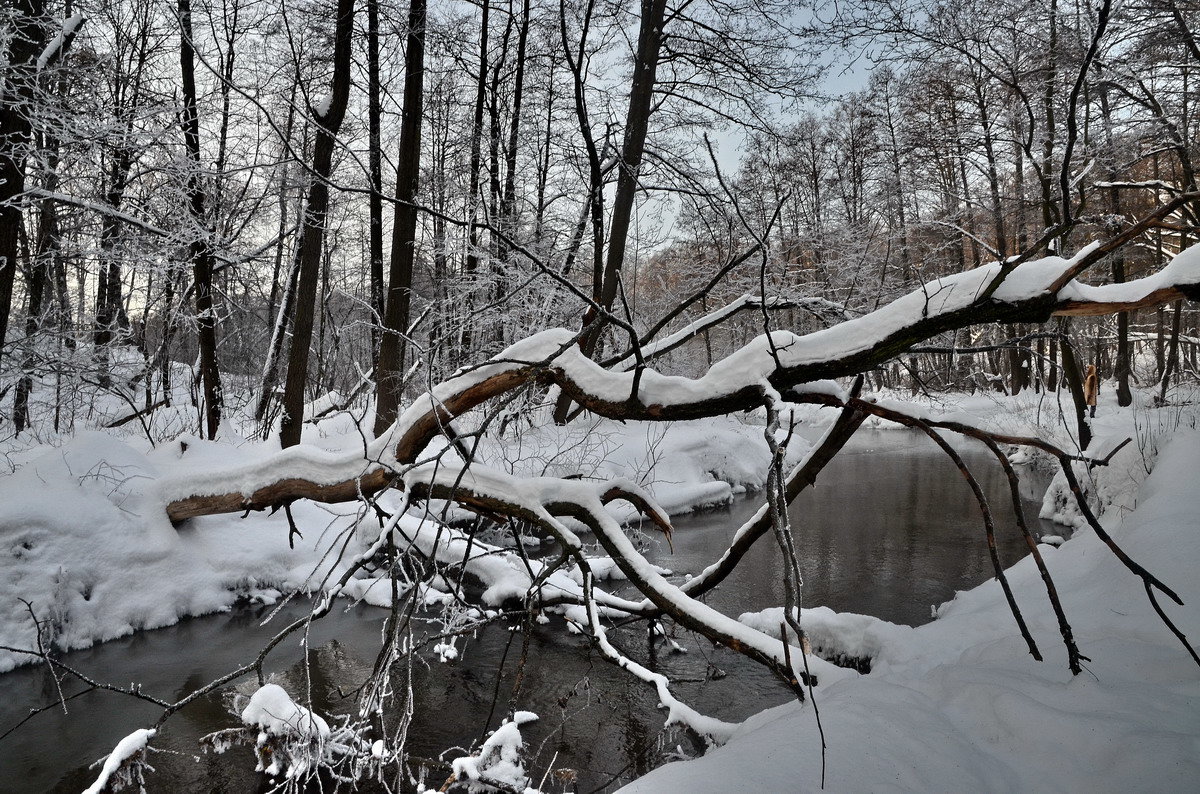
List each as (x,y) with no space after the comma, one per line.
(959,705)
(1115,487)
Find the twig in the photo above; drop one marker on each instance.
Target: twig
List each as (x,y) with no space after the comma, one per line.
(989,528)
(1014,489)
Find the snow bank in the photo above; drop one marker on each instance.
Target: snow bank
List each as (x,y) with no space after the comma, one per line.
(959,705)
(96,557)
(84,539)
(843,637)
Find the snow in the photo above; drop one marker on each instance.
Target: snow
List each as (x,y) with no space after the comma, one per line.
(274,711)
(959,705)
(291,737)
(127,748)
(832,634)
(747,368)
(499,759)
(1034,278)
(84,539)
(606,568)
(70,25)
(684,465)
(751,365)
(1184,268)
(446,651)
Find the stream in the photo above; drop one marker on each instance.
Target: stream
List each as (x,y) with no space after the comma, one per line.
(890,529)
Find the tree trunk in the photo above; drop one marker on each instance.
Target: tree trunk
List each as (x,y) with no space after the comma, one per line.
(46,269)
(471,262)
(1074,381)
(312,232)
(390,371)
(375,160)
(1172,351)
(200,248)
(637,122)
(508,199)
(27,38)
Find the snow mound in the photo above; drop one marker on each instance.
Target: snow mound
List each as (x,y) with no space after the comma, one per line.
(499,760)
(290,738)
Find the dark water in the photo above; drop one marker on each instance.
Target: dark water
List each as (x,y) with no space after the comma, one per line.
(889,530)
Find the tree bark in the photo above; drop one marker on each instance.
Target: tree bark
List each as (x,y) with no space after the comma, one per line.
(16,137)
(637,122)
(375,163)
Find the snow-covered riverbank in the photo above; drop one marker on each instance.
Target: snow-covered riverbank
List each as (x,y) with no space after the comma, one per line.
(86,546)
(954,705)
(959,704)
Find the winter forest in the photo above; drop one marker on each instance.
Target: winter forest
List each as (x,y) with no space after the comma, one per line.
(582,395)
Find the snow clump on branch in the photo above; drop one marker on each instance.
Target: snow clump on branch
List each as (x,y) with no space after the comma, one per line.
(291,739)
(499,760)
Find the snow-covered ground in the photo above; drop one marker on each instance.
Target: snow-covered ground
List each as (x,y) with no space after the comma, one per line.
(954,705)
(959,704)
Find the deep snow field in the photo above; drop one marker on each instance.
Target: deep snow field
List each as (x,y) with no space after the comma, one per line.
(954,705)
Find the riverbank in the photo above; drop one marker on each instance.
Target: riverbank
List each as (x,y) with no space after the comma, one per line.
(959,704)
(88,551)
(89,554)
(912,544)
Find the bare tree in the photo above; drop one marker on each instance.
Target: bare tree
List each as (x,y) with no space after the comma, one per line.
(327,118)
(389,373)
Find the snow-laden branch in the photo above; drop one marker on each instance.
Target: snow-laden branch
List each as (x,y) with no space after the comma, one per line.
(542,499)
(714,318)
(122,763)
(713,730)
(1032,292)
(56,45)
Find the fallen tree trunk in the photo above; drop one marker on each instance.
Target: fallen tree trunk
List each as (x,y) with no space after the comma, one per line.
(1032,293)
